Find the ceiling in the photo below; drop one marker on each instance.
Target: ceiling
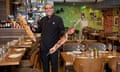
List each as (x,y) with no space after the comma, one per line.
(95,4)
(106,4)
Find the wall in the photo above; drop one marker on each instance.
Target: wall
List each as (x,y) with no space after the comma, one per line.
(4,9)
(72,13)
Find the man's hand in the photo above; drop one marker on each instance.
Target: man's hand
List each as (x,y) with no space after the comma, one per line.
(52,50)
(71,30)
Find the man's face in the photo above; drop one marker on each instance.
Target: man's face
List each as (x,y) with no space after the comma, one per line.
(49,10)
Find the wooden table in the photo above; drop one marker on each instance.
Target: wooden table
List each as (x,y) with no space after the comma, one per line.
(95,34)
(24,45)
(12,60)
(112,39)
(69,58)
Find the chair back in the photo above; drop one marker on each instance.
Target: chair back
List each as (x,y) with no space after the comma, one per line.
(68,47)
(34,55)
(113,62)
(99,46)
(88,65)
(118,67)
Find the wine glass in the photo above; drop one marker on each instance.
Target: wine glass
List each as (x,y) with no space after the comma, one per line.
(83,48)
(110,47)
(104,48)
(114,50)
(78,47)
(8,45)
(1,54)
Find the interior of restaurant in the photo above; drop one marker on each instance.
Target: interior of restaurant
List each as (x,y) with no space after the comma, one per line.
(93,47)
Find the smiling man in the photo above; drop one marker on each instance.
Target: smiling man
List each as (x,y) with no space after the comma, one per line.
(51,27)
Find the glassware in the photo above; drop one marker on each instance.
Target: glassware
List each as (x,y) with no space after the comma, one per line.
(114,50)
(90,52)
(83,37)
(4,50)
(83,48)
(1,54)
(104,48)
(8,45)
(78,47)
(19,40)
(110,47)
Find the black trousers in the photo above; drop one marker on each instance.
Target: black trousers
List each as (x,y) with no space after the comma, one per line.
(46,59)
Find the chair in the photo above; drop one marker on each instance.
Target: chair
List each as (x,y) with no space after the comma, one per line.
(88,65)
(32,62)
(118,67)
(113,63)
(99,46)
(68,47)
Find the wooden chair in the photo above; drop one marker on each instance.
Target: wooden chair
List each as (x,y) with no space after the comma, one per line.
(68,47)
(88,65)
(113,64)
(32,61)
(118,67)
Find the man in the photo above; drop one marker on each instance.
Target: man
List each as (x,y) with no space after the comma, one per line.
(50,27)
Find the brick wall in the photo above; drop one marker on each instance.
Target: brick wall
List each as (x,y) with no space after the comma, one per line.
(119,21)
(108,20)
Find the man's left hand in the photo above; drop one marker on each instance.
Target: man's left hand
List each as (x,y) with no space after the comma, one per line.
(52,50)
(71,30)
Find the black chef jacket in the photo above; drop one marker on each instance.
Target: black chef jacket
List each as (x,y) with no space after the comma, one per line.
(50,29)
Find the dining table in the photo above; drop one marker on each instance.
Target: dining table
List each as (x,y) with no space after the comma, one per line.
(112,39)
(106,56)
(12,57)
(24,44)
(94,35)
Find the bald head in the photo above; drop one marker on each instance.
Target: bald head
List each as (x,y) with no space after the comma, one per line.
(48,4)
(49,10)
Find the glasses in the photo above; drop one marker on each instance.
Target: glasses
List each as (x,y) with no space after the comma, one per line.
(49,8)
